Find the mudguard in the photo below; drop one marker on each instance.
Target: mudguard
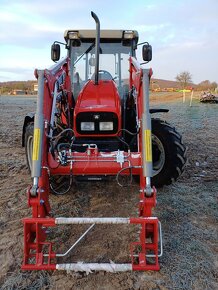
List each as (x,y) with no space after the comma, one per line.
(28,118)
(153,111)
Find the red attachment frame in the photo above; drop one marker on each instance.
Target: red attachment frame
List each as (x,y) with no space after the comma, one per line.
(147,246)
(38,254)
(35,246)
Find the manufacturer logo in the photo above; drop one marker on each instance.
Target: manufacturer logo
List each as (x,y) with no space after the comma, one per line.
(96,117)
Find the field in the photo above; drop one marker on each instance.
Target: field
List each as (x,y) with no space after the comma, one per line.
(187,209)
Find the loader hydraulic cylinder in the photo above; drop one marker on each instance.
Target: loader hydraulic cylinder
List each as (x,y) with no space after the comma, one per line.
(146,132)
(38,134)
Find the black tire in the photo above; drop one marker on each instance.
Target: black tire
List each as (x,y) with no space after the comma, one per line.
(169,153)
(28,143)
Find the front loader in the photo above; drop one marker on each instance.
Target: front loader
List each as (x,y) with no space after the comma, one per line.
(93,121)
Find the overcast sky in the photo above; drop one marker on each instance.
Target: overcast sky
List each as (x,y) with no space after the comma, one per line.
(183,33)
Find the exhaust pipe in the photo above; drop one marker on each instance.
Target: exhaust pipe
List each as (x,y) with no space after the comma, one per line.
(97,45)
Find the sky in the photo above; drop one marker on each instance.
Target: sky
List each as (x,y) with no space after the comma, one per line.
(183,33)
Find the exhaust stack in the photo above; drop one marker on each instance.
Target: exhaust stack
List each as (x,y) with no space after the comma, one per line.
(97,45)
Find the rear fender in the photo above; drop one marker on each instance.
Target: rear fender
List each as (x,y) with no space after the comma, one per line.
(153,111)
(28,119)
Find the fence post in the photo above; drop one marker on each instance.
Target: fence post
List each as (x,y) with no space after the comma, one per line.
(183,96)
(192,92)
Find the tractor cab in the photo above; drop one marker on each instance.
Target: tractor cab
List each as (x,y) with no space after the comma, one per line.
(99,69)
(115,48)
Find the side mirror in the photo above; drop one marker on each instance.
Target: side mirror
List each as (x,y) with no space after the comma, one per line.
(55,52)
(147,52)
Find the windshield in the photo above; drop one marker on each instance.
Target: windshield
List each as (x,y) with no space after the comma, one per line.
(113,64)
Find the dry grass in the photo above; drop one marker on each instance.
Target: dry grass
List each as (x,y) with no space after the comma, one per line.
(187,209)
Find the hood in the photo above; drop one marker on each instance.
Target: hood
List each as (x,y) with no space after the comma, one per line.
(101,97)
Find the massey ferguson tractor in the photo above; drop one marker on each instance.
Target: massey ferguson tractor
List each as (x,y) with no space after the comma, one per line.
(92,122)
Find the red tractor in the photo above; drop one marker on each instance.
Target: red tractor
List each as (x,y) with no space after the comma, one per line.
(93,121)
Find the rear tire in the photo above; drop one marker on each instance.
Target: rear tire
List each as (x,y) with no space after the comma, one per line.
(28,143)
(169,153)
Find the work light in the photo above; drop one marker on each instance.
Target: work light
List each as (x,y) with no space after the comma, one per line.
(106,126)
(128,34)
(87,126)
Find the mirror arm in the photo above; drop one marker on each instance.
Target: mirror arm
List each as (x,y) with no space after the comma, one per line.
(144,62)
(145,42)
(59,42)
(62,43)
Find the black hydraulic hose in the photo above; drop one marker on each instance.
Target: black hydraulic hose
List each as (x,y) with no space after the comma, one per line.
(97,45)
(124,142)
(55,190)
(130,176)
(130,133)
(61,133)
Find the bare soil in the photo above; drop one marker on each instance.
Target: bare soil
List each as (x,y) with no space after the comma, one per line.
(187,210)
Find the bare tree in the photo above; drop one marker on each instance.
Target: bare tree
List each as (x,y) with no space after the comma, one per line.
(184,78)
(207,85)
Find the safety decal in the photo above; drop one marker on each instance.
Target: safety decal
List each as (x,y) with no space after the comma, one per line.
(148,148)
(36,141)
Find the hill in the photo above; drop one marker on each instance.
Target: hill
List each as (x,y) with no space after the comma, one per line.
(25,86)
(164,84)
(28,86)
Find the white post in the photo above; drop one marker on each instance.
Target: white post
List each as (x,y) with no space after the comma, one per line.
(191,98)
(183,96)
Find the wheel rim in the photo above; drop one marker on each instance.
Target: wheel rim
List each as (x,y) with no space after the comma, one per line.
(158,153)
(30,151)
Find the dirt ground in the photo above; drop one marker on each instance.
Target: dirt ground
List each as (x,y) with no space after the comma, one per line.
(187,210)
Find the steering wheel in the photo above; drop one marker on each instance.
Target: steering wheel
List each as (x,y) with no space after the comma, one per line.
(104,75)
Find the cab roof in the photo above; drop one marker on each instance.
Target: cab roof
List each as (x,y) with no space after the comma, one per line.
(105,35)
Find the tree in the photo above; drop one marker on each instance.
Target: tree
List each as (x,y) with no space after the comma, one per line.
(207,85)
(184,78)
(213,86)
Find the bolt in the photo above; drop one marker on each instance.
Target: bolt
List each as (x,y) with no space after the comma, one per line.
(41,201)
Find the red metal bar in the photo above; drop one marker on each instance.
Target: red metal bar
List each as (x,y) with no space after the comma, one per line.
(95,164)
(147,203)
(36,258)
(148,244)
(34,244)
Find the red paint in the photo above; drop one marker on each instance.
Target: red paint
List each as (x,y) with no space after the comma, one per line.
(103,97)
(94,164)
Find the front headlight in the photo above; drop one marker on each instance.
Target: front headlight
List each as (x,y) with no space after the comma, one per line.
(106,126)
(87,126)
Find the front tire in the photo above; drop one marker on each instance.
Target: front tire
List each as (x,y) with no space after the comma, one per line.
(169,153)
(28,143)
